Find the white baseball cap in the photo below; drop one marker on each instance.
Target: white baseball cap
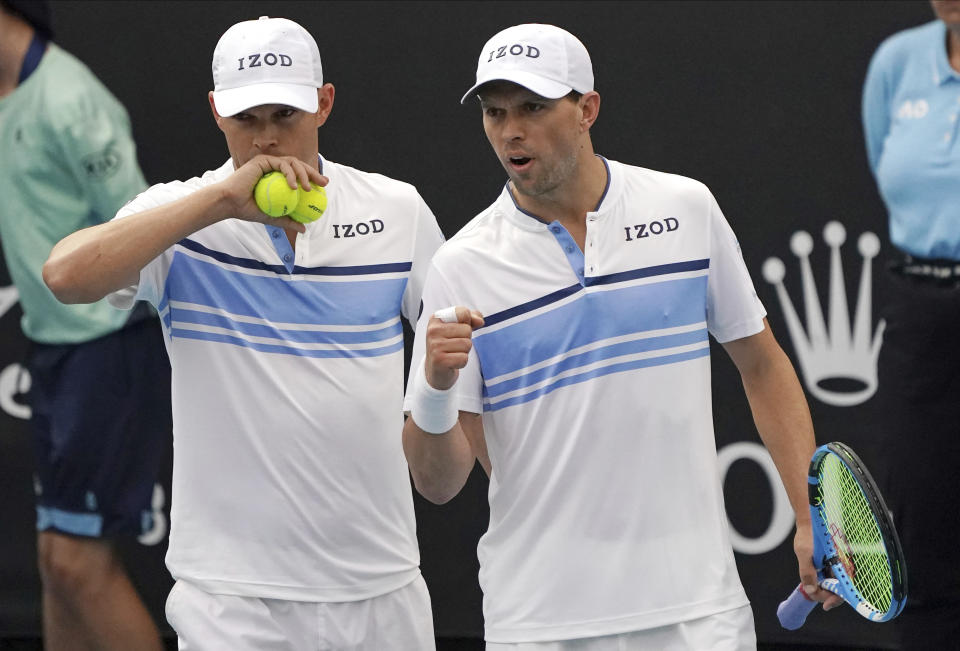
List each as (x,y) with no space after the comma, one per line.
(545,59)
(266,61)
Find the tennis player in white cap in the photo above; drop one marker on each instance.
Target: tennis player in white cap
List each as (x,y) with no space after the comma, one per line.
(292,515)
(576,366)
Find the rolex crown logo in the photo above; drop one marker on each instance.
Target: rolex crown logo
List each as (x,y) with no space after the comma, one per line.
(838,363)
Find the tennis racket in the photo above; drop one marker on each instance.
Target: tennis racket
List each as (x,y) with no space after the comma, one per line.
(855,546)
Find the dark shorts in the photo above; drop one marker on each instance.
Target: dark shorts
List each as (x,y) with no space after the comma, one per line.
(102,425)
(917,432)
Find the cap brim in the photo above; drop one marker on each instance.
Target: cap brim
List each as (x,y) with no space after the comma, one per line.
(234,100)
(540,85)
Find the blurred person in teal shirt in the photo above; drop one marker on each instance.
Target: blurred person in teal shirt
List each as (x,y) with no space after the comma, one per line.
(99,376)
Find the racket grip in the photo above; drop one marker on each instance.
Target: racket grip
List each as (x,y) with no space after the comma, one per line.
(792,611)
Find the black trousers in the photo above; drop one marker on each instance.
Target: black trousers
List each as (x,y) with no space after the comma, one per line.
(918,427)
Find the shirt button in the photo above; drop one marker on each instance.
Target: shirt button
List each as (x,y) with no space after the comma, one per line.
(287,257)
(275,234)
(555,229)
(580,271)
(569,249)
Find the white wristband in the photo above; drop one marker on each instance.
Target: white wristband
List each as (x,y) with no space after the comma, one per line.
(433,410)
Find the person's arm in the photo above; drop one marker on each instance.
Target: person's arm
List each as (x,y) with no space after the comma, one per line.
(875,107)
(472,426)
(89,264)
(783,420)
(97,146)
(441,461)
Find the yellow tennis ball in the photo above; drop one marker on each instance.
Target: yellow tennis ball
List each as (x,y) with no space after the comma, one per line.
(311,205)
(274,196)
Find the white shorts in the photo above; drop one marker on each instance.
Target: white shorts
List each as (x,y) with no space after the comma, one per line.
(728,631)
(400,620)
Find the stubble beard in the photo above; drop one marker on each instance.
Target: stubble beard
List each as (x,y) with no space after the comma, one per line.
(549,181)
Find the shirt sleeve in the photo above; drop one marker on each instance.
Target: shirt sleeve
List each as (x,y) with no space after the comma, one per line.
(153,276)
(437,295)
(875,108)
(427,239)
(734,310)
(99,148)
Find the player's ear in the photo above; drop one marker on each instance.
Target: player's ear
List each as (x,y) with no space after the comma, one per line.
(324,103)
(213,109)
(589,109)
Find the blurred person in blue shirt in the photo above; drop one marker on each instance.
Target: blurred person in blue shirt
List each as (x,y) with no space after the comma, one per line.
(911,103)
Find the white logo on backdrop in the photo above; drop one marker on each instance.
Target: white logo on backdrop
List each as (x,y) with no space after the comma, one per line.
(14,379)
(782,519)
(159,528)
(835,352)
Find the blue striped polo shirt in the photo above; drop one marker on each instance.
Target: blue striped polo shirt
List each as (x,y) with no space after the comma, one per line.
(289,479)
(592,375)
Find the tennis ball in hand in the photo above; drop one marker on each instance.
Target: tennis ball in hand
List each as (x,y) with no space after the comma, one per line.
(274,196)
(311,205)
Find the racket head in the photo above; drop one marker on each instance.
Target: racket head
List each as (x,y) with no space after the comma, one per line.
(855,541)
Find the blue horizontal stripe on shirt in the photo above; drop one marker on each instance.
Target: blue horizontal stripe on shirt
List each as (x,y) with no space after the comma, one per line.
(270,297)
(249,263)
(286,350)
(606,370)
(589,281)
(530,305)
(79,524)
(593,356)
(163,311)
(591,317)
(184,315)
(358,270)
(647,272)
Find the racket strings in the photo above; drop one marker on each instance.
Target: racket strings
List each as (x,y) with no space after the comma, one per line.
(856,536)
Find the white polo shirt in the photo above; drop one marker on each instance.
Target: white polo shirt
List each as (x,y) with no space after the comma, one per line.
(289,479)
(592,373)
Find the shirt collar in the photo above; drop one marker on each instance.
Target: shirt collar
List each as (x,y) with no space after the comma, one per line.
(509,206)
(32,57)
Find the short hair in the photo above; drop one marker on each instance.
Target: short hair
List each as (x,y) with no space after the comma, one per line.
(34,12)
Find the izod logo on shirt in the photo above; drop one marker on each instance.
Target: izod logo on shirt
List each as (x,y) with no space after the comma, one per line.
(371,227)
(656,227)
